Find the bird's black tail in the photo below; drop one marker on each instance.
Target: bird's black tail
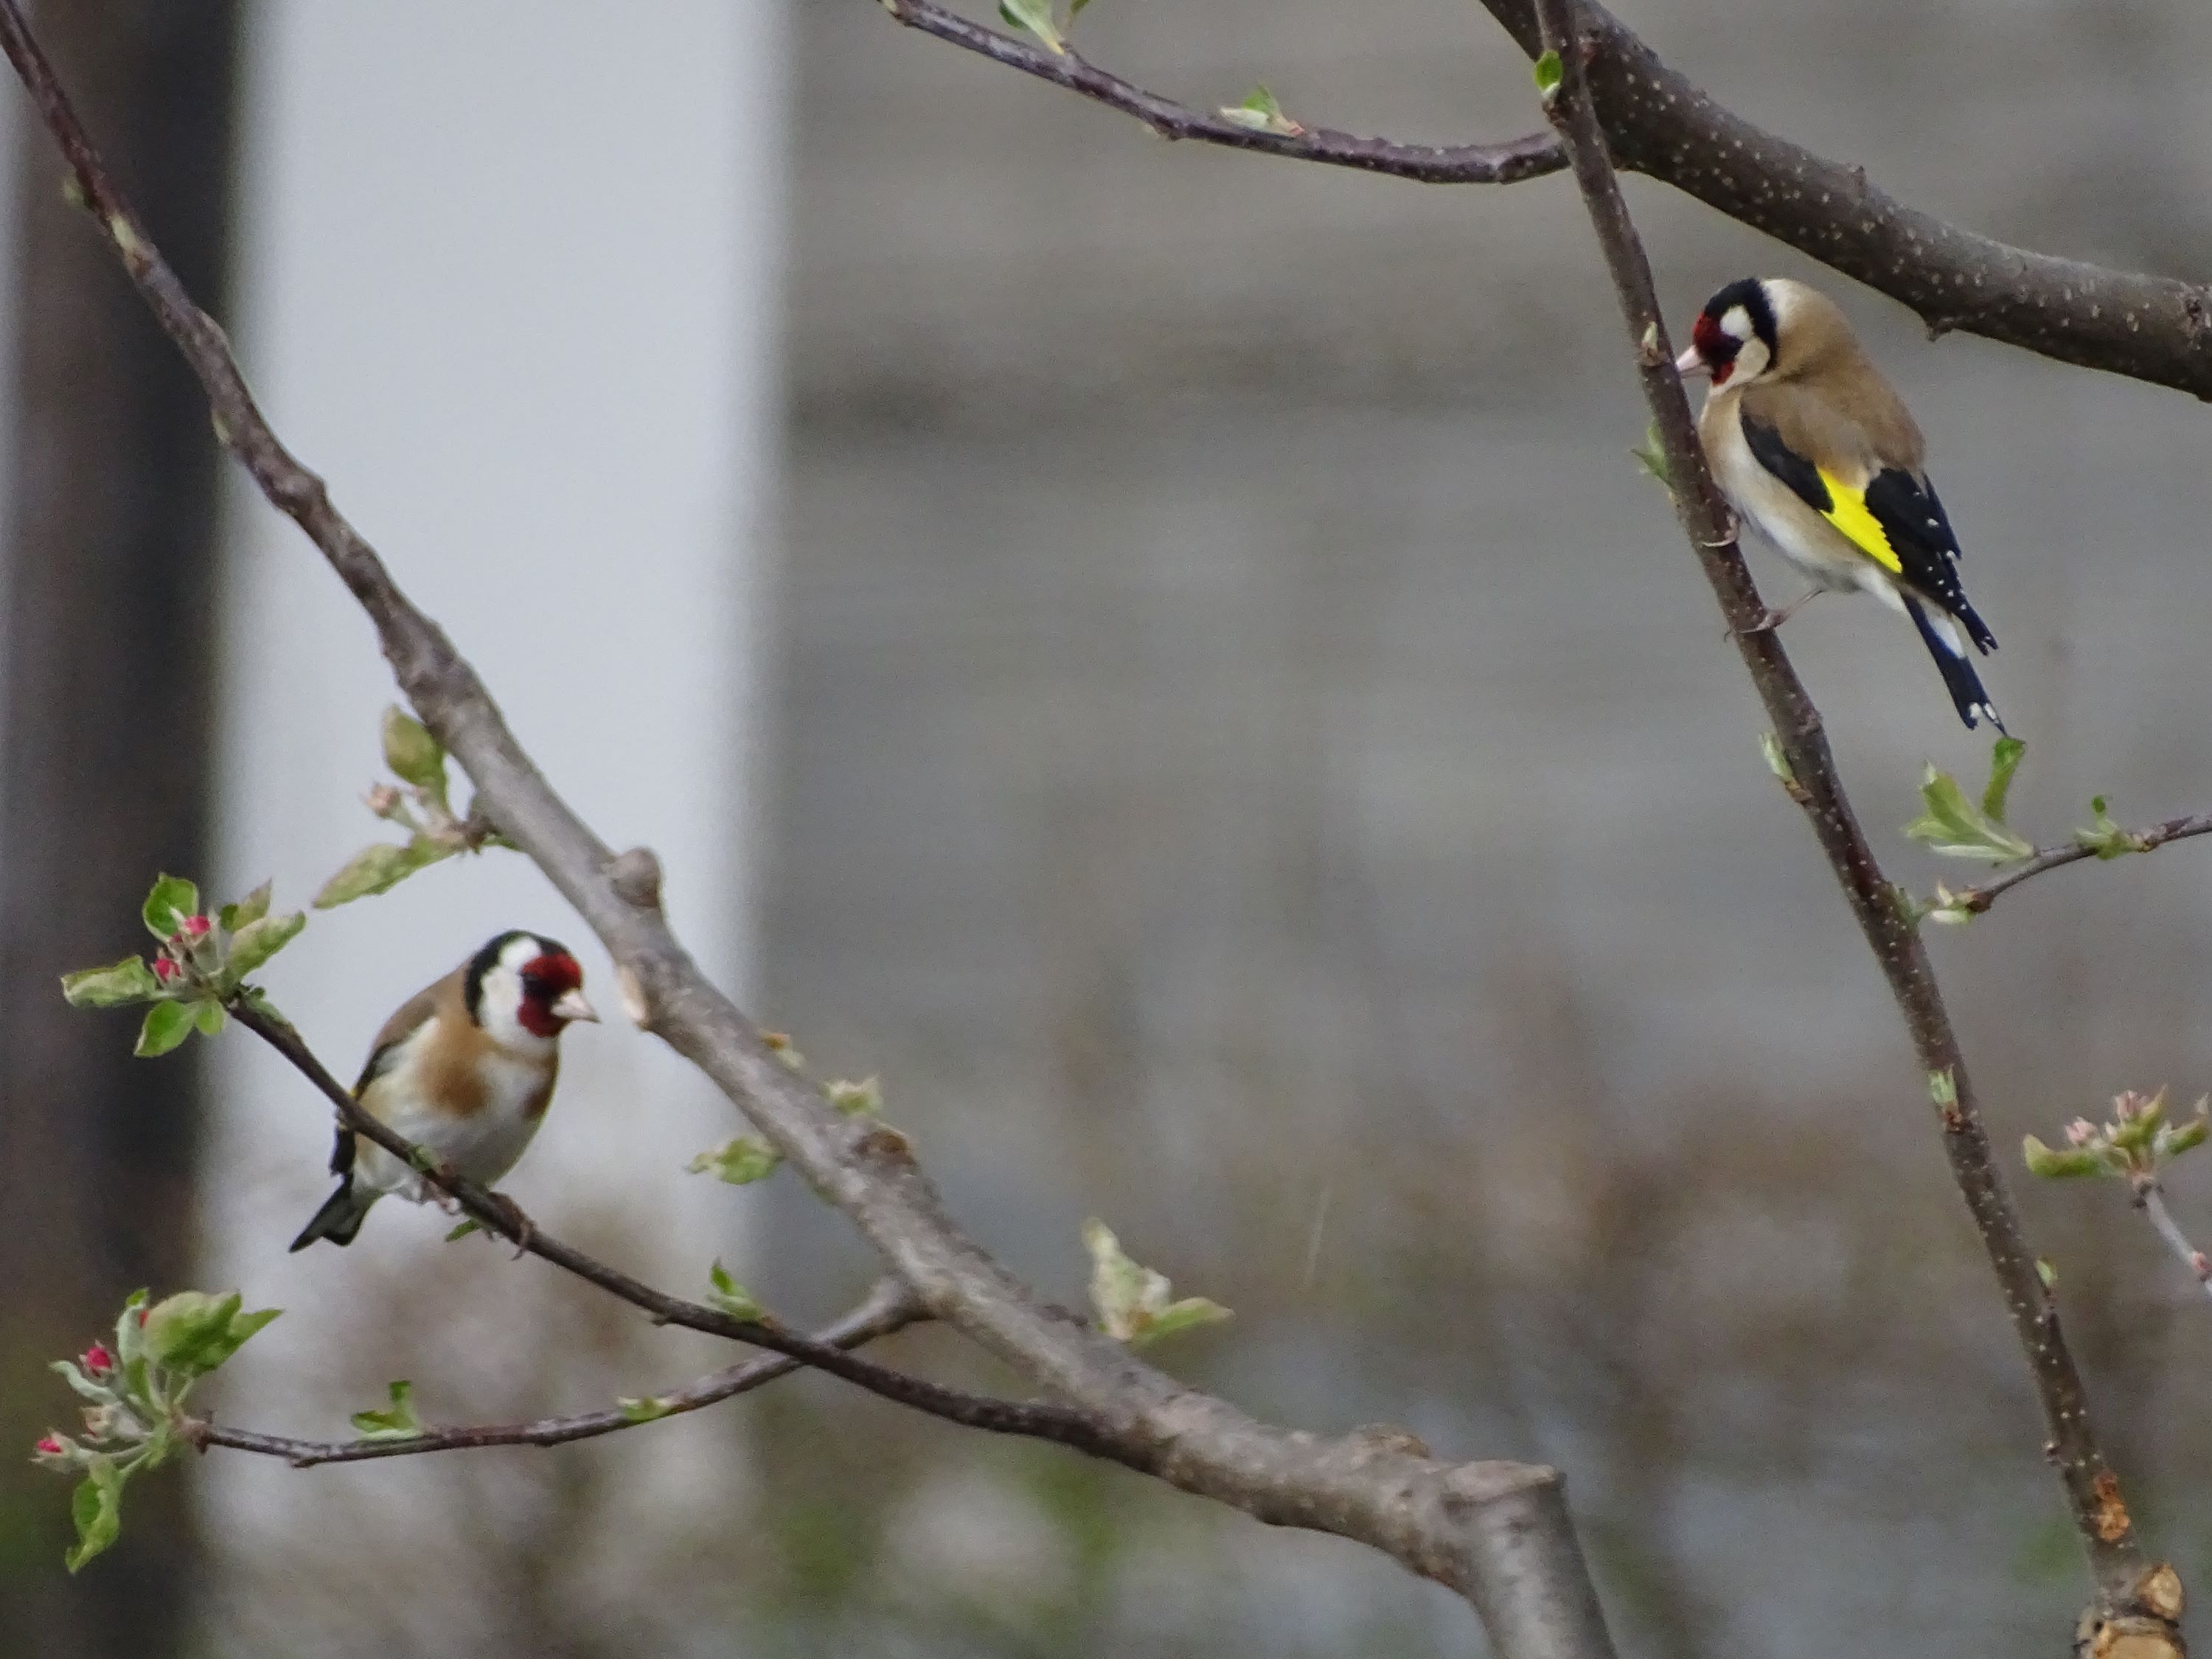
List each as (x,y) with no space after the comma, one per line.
(341,1216)
(1950,651)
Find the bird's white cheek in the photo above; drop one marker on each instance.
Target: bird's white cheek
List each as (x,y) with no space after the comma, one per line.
(1752,361)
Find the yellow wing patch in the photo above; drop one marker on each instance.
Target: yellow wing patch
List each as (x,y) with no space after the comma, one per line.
(1847,511)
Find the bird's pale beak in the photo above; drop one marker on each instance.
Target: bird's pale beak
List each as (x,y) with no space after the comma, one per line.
(1692,365)
(570,1005)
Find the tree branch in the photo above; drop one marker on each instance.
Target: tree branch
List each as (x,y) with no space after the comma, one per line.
(888,1307)
(1659,123)
(2100,1516)
(1499,1533)
(1459,164)
(2150,1198)
(1978,899)
(500,1214)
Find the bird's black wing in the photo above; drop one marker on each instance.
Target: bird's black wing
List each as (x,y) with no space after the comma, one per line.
(1896,520)
(381,1058)
(1772,452)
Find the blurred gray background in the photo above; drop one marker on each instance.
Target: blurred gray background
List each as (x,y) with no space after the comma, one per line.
(1250,757)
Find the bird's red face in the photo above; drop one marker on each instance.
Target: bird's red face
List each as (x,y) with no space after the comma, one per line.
(552,994)
(1714,346)
(1733,334)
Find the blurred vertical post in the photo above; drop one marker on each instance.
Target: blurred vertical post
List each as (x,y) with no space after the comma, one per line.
(110,585)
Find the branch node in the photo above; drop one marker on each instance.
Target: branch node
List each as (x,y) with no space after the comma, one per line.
(636,878)
(1394,1438)
(885,1145)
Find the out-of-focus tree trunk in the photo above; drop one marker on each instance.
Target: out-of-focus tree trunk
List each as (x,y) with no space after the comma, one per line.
(110,590)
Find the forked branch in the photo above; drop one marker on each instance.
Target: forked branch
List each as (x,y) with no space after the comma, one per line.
(889,1308)
(1497,1532)
(498,1214)
(1659,123)
(2100,1516)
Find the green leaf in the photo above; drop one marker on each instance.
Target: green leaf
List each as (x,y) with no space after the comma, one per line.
(643,1409)
(2004,761)
(209,1017)
(2178,1137)
(1133,1301)
(2135,1133)
(1770,746)
(1261,113)
(1653,455)
(96,1506)
(464,1229)
(130,1333)
(861,1099)
(396,1419)
(1953,826)
(378,869)
(1943,1088)
(2107,839)
(251,907)
(2063,1164)
(1189,1314)
(414,756)
(171,899)
(262,938)
(192,1333)
(120,982)
(167,1025)
(739,1161)
(732,1297)
(1036,16)
(1549,72)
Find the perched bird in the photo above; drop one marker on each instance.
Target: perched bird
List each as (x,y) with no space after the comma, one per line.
(1816,451)
(464,1069)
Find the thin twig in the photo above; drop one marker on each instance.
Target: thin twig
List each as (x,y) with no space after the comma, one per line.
(2150,1198)
(2100,1516)
(888,1307)
(1457,164)
(498,1213)
(1499,1533)
(1978,899)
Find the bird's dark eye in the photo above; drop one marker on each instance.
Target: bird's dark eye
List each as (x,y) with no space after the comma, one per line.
(534,986)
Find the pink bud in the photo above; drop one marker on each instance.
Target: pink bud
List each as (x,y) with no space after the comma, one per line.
(383,800)
(96,1361)
(142,1318)
(51,1446)
(195,927)
(2081,1132)
(165,970)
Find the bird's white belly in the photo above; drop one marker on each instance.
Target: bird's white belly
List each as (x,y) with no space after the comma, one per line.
(1827,556)
(482,1145)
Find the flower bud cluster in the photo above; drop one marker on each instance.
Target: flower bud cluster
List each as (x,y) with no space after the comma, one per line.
(113,1421)
(195,950)
(2132,1146)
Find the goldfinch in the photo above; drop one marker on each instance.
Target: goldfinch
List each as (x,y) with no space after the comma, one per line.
(1816,452)
(464,1069)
